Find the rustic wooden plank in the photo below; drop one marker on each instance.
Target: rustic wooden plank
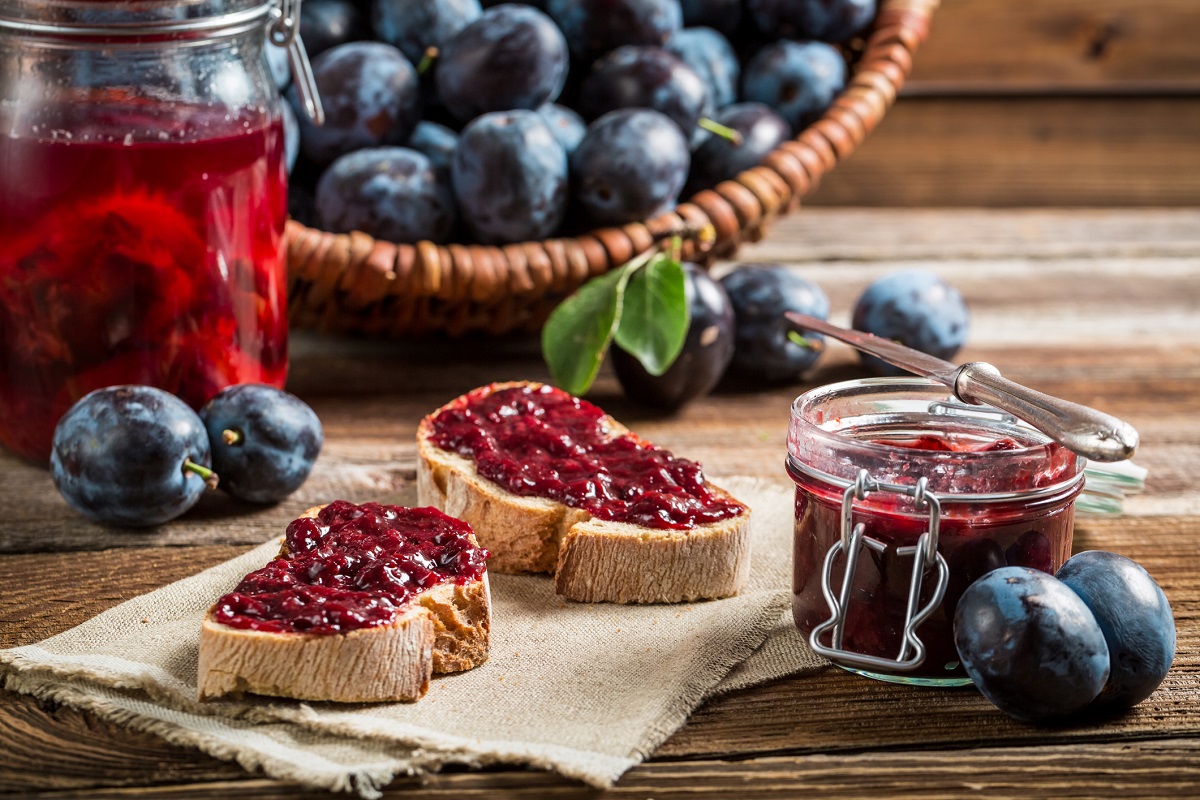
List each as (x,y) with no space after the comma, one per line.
(1034,151)
(818,233)
(1061,46)
(47,593)
(48,747)
(1135,770)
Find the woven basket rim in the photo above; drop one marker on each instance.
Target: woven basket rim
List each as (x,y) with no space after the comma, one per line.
(354,282)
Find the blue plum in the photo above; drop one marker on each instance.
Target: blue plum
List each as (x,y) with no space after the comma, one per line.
(798,79)
(594,27)
(1135,617)
(723,15)
(763,347)
(706,352)
(917,309)
(1030,644)
(711,56)
(826,20)
(371,97)
(631,165)
(510,177)
(719,159)
(637,76)
(436,142)
(264,441)
(124,455)
(512,57)
(416,25)
(568,127)
(391,193)
(325,24)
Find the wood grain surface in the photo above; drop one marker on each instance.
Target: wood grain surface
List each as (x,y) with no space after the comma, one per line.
(1063,102)
(1102,307)
(1031,150)
(1106,47)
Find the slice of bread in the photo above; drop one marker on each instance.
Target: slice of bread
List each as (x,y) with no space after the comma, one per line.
(445,629)
(593,560)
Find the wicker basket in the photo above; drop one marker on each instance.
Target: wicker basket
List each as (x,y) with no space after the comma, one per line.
(353,283)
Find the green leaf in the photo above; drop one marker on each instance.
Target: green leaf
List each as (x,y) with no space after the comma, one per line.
(578,332)
(654,318)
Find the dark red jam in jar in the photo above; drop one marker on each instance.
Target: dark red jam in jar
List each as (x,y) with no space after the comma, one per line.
(538,441)
(1005,492)
(351,567)
(143,197)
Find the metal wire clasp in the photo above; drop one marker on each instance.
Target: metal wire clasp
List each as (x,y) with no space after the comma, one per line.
(952,407)
(285,32)
(925,555)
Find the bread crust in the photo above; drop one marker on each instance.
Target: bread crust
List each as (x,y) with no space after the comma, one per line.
(592,560)
(446,629)
(371,664)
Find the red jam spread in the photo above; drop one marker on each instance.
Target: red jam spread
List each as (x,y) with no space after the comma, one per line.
(353,567)
(137,245)
(974,538)
(538,441)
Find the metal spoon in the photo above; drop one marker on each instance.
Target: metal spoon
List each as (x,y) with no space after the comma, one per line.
(1083,430)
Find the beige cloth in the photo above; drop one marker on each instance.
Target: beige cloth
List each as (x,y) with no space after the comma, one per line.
(585,690)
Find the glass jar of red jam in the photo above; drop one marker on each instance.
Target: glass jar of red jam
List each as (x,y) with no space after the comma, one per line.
(904,497)
(143,196)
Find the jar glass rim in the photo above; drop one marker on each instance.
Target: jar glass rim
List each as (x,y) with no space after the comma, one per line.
(818,444)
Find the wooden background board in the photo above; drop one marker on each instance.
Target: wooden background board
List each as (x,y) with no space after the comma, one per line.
(1102,307)
(1047,102)
(1060,46)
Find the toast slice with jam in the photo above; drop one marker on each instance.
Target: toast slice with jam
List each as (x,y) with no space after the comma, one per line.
(550,483)
(363,604)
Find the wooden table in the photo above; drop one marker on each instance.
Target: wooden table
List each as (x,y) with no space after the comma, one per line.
(1047,103)
(1102,307)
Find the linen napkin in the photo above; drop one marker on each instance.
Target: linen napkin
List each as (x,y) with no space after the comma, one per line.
(587,690)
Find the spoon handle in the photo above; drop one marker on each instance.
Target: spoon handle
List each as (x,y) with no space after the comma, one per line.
(1084,430)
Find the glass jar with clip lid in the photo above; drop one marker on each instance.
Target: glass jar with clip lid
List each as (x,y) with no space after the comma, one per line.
(903,498)
(143,196)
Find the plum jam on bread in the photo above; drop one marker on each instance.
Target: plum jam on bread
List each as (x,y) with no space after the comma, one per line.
(550,483)
(364,602)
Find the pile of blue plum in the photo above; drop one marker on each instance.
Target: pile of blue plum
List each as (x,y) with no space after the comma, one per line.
(1098,636)
(462,120)
(135,456)
(737,328)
